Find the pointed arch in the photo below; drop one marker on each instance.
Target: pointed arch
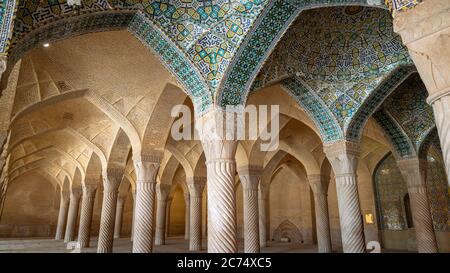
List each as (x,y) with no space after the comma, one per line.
(77,180)
(120,150)
(391,82)
(181,159)
(400,141)
(93,170)
(138,24)
(317,110)
(157,130)
(260,42)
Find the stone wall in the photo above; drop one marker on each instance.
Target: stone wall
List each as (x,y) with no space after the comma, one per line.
(31,208)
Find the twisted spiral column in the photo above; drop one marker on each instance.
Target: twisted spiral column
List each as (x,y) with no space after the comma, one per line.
(319,186)
(87,207)
(62,215)
(217,131)
(196,186)
(162,191)
(187,215)
(262,218)
(412,171)
(107,220)
(441,111)
(145,197)
(132,218)
(343,158)
(222,236)
(119,216)
(72,215)
(250,180)
(168,204)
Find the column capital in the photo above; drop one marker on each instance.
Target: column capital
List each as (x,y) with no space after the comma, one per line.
(196,185)
(65,195)
(196,179)
(89,190)
(75,194)
(250,170)
(343,156)
(155,157)
(412,170)
(422,20)
(146,171)
(217,130)
(425,30)
(113,178)
(319,183)
(162,191)
(91,180)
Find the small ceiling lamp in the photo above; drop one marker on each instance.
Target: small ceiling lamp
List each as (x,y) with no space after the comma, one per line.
(46,45)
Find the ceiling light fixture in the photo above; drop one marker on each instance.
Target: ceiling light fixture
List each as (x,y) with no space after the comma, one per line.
(46,45)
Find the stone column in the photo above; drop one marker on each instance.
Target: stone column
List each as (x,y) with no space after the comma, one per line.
(319,186)
(196,186)
(119,216)
(62,215)
(413,173)
(250,177)
(72,215)
(146,171)
(168,205)
(219,144)
(425,30)
(132,218)
(110,193)
(162,191)
(343,157)
(262,197)
(3,64)
(205,223)
(441,109)
(87,207)
(187,215)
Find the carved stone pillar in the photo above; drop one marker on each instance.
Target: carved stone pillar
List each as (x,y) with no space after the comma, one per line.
(441,109)
(62,215)
(72,215)
(219,144)
(162,191)
(146,171)
(262,199)
(319,186)
(250,177)
(87,207)
(412,171)
(119,216)
(187,215)
(132,218)
(110,193)
(196,186)
(168,205)
(343,157)
(3,64)
(425,30)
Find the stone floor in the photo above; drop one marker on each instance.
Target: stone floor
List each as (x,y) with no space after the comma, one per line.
(124,245)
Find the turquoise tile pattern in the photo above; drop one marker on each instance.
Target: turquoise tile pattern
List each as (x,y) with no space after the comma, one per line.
(390,190)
